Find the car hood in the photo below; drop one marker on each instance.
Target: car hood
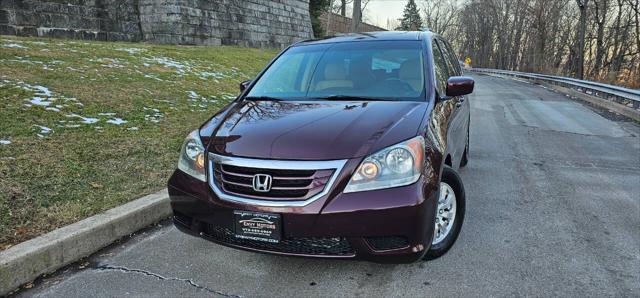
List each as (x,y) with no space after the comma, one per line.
(313,130)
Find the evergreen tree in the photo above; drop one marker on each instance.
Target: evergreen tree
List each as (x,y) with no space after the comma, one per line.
(411,19)
(316,8)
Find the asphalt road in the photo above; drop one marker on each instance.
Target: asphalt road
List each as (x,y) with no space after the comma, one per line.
(553,208)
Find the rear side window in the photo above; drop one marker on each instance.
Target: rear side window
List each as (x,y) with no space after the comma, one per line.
(453,61)
(451,69)
(440,68)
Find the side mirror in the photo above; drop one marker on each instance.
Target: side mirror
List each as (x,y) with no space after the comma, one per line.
(457,86)
(244,85)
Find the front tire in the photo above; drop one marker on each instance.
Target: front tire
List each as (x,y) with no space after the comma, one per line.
(449,215)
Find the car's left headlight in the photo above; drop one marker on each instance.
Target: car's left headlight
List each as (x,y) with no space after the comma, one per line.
(394,166)
(192,156)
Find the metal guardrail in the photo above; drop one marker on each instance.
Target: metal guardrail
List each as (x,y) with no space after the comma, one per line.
(621,95)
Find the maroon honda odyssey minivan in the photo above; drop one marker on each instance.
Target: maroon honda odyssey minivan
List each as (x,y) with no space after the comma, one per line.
(343,148)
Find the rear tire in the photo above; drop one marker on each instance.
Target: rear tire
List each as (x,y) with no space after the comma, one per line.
(441,243)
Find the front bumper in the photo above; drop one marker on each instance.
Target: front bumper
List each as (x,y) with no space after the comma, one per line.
(386,226)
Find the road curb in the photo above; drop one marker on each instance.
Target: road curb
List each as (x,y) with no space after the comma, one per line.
(26,261)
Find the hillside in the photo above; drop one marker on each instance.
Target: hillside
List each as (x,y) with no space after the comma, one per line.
(86,126)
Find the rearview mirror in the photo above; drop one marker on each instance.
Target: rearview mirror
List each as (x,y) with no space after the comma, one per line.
(244,85)
(457,86)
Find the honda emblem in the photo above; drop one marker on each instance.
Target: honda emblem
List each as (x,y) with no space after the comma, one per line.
(262,182)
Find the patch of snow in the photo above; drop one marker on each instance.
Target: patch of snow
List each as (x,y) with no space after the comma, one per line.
(116,121)
(107,114)
(34,62)
(14,45)
(131,51)
(168,62)
(39,101)
(193,95)
(85,120)
(133,128)
(215,75)
(228,96)
(43,130)
(110,62)
(43,97)
(153,77)
(155,116)
(180,67)
(20,60)
(163,100)
(5,142)
(43,90)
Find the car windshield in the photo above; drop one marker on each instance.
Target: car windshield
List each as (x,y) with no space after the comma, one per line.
(380,70)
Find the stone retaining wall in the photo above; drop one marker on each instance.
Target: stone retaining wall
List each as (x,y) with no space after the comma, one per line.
(254,23)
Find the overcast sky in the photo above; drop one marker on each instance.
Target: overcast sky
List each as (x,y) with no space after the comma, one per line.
(379,11)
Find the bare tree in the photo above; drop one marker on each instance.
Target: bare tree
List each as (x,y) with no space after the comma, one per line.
(596,40)
(582,28)
(342,7)
(440,15)
(600,9)
(357,16)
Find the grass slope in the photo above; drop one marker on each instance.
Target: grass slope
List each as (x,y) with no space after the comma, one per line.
(86,126)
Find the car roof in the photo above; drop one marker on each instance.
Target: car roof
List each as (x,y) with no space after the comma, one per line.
(370,36)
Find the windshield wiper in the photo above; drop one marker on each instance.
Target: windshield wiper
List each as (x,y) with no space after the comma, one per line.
(351,97)
(265,98)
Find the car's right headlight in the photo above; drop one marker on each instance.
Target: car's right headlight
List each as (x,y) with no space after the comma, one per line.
(192,156)
(394,166)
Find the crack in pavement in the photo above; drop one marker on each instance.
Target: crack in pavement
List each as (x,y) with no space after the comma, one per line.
(552,162)
(160,277)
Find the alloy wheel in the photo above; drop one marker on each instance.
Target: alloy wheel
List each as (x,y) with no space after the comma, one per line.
(446,213)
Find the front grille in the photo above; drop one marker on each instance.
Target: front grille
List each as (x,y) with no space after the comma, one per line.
(388,242)
(337,246)
(286,184)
